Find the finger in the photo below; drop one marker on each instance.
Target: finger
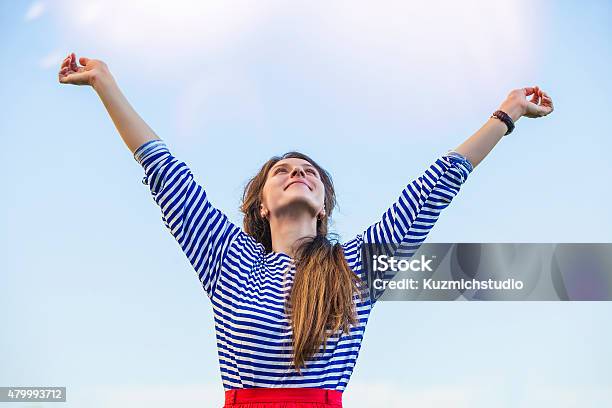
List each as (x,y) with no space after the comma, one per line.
(67,71)
(548,104)
(66,79)
(538,91)
(66,61)
(544,110)
(528,91)
(83,61)
(75,78)
(73,62)
(535,97)
(546,97)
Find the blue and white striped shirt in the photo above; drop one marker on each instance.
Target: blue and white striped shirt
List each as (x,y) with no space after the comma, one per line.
(248,287)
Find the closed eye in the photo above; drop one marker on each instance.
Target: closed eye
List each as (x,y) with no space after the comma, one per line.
(308,170)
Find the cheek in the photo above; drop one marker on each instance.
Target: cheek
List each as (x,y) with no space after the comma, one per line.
(321,192)
(265,194)
(270,192)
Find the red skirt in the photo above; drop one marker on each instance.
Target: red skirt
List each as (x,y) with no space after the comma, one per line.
(283,398)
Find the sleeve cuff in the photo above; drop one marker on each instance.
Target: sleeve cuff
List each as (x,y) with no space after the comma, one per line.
(148,148)
(461,158)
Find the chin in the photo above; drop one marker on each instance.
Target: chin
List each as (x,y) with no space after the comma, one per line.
(298,201)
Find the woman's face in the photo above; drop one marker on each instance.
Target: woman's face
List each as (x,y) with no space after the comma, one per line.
(293,185)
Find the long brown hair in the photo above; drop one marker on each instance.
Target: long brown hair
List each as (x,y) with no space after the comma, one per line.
(321,298)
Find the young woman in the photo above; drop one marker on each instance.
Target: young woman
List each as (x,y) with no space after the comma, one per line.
(289,304)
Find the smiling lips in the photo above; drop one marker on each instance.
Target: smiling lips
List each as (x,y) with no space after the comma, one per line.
(298,181)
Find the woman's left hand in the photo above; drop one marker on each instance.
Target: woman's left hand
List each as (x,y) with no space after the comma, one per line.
(517,104)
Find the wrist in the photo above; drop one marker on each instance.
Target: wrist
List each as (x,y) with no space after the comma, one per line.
(102,80)
(513,109)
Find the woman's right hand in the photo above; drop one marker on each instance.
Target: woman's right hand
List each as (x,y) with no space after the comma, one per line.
(71,73)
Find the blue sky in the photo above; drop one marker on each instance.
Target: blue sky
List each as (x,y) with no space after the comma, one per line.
(95,294)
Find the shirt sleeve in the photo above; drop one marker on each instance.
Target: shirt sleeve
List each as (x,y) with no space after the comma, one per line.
(407,222)
(203,232)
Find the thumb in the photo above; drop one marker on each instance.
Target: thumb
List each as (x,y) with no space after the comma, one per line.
(83,61)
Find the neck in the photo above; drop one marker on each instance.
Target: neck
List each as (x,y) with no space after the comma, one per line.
(287,231)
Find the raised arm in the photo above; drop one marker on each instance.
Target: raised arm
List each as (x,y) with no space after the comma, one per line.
(204,233)
(411,217)
(133,130)
(407,222)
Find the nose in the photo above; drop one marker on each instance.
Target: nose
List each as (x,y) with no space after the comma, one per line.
(298,170)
